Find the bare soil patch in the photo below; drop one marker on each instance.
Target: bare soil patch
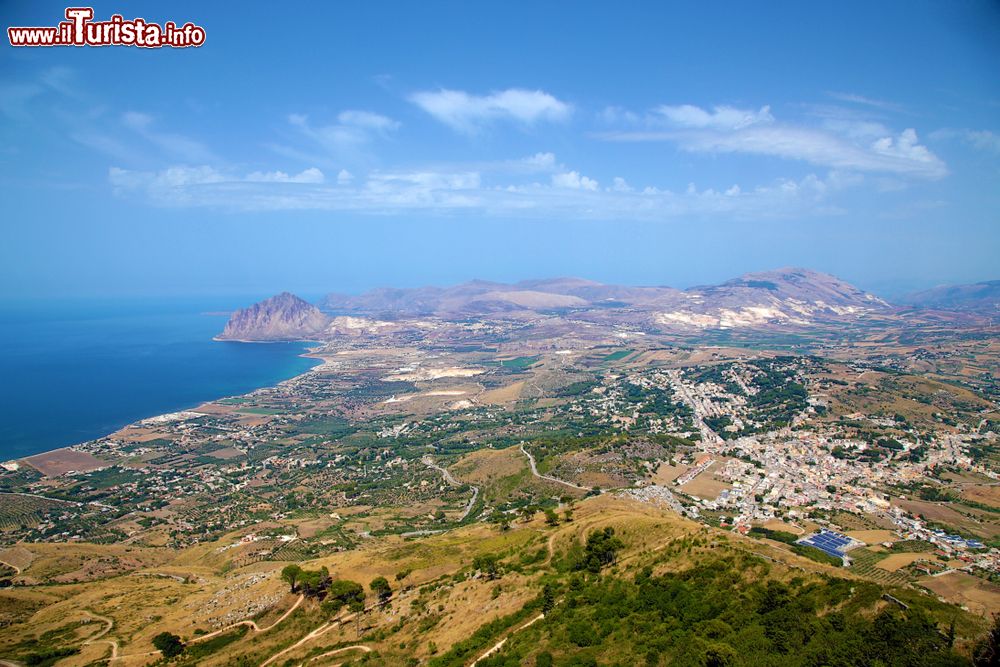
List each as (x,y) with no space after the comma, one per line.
(978,595)
(61,461)
(894,562)
(873,536)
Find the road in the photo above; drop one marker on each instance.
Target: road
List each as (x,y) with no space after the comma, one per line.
(708,436)
(447,476)
(550,478)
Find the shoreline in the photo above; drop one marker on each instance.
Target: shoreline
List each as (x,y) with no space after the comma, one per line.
(309,353)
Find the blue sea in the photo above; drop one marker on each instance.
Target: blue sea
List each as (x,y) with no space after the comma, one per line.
(74,371)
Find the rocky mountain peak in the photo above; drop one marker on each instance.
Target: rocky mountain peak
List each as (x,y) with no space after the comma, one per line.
(281,317)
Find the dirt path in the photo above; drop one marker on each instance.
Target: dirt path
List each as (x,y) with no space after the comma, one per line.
(499,645)
(329,625)
(356,647)
(96,639)
(534,471)
(251,624)
(16,569)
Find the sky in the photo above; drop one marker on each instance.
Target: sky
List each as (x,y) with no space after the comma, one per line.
(318,147)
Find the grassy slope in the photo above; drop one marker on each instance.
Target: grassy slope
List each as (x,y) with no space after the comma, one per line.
(435,608)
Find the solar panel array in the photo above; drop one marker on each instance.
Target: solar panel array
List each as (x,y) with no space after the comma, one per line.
(828,541)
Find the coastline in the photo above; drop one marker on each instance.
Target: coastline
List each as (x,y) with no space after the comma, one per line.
(309,353)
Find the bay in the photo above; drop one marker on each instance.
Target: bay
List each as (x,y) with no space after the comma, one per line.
(71,371)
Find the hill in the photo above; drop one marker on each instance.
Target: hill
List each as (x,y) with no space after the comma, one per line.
(982,298)
(282,317)
(619,582)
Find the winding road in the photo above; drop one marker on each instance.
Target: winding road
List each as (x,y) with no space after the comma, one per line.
(450,479)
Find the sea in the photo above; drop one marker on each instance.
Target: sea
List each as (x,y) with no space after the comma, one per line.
(72,371)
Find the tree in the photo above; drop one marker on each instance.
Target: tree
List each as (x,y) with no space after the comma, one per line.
(169,644)
(548,598)
(488,564)
(344,592)
(380,586)
(551,518)
(314,582)
(290,573)
(601,550)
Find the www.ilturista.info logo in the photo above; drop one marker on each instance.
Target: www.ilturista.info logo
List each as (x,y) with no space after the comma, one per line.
(80,30)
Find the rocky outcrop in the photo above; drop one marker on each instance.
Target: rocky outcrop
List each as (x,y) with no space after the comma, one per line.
(284,317)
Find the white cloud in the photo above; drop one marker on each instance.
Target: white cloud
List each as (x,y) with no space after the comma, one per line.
(344,177)
(346,138)
(137,121)
(620,185)
(426,179)
(720,118)
(983,140)
(568,195)
(172,145)
(311,175)
(854,98)
(849,146)
(574,181)
(469,113)
(541,161)
(618,116)
(367,120)
(191,186)
(904,147)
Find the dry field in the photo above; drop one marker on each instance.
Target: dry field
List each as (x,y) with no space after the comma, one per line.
(873,536)
(507,394)
(981,493)
(981,597)
(705,485)
(894,562)
(943,514)
(17,557)
(61,461)
(775,524)
(666,473)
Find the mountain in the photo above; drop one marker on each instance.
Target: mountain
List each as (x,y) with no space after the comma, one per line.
(480,297)
(982,298)
(282,317)
(790,296)
(785,298)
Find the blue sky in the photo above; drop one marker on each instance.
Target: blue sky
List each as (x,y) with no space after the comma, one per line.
(346,146)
